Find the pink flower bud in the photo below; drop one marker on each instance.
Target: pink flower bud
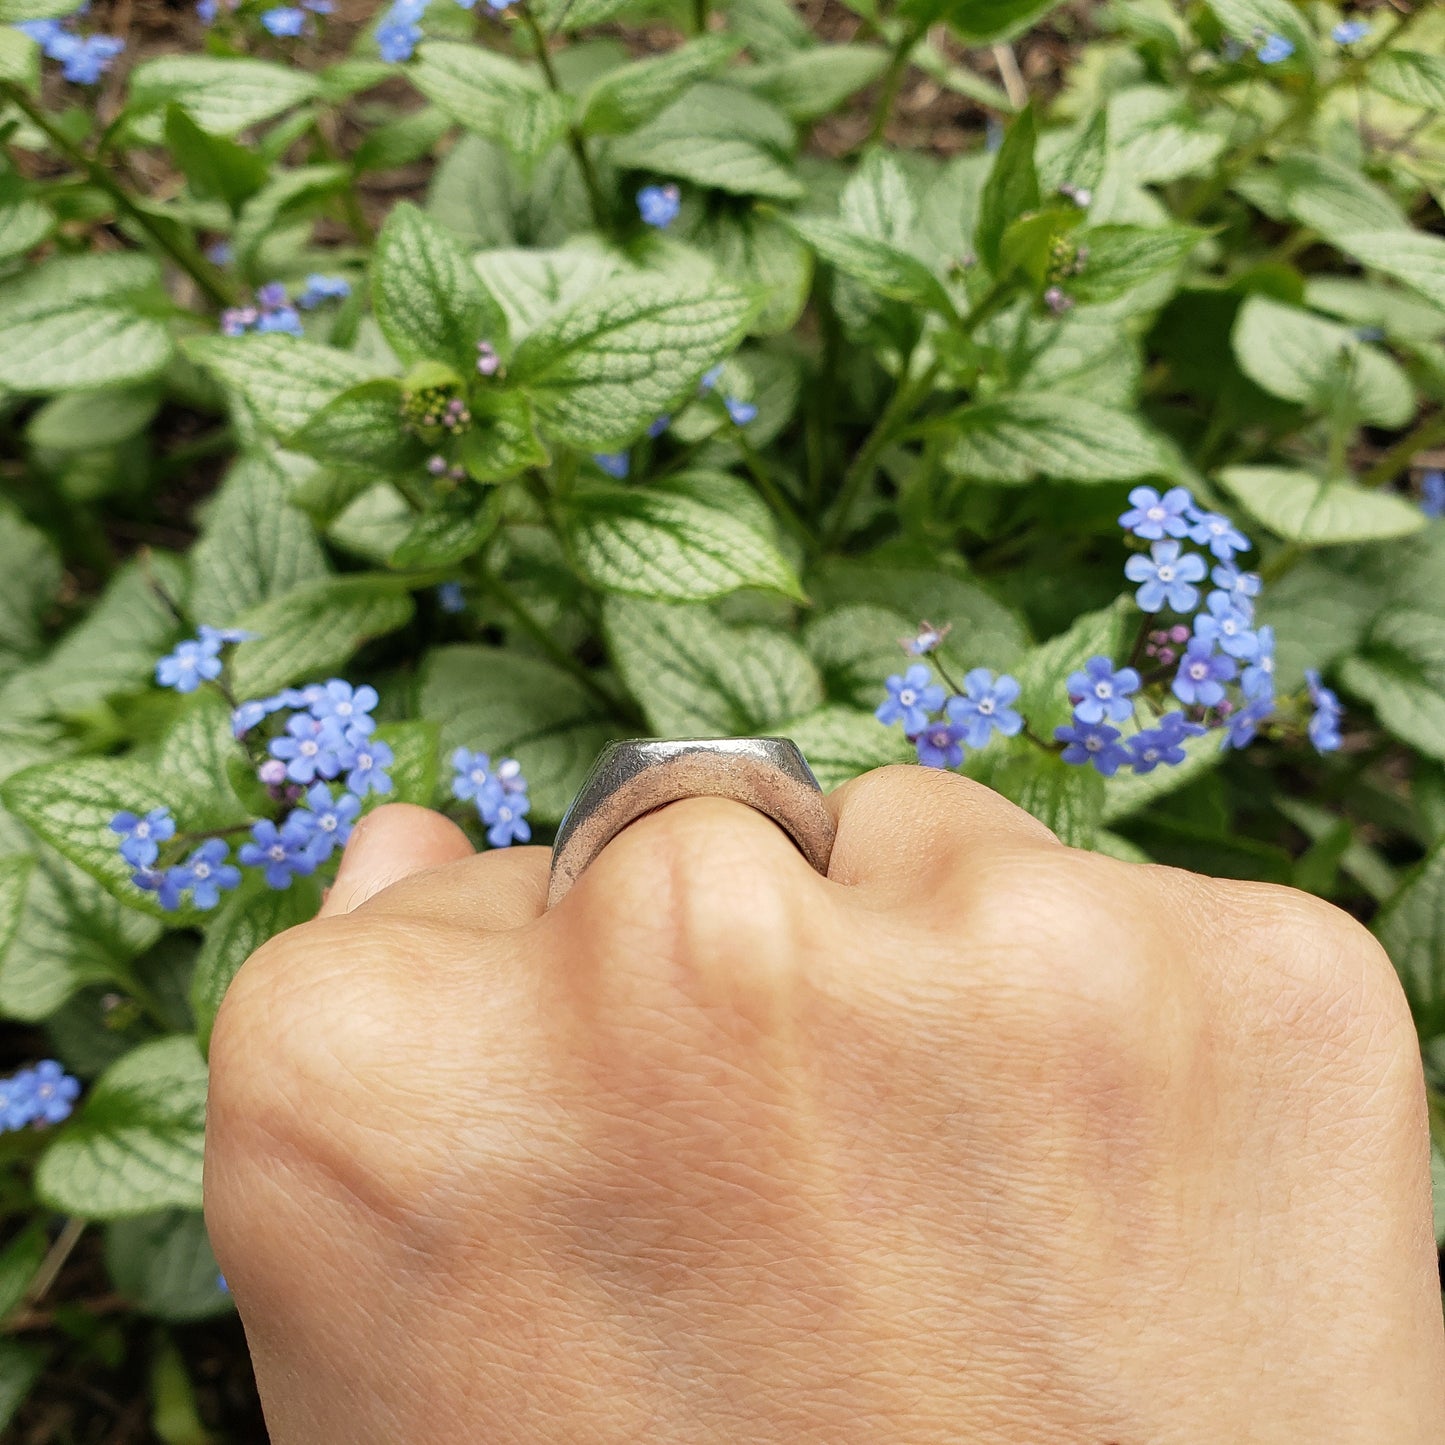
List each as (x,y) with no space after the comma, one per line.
(272,772)
(1179,633)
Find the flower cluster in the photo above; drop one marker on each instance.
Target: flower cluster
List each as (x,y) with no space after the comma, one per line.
(198,659)
(1214,670)
(83,58)
(275,310)
(399,32)
(499,795)
(42,1095)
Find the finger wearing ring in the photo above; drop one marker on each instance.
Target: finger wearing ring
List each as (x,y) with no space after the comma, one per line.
(635,777)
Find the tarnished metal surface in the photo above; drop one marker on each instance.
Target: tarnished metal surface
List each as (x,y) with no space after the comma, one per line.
(638,776)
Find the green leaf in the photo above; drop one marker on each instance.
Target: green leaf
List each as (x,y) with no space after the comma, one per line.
(19,1261)
(600,371)
(84,346)
(1412,930)
(29,580)
(717,136)
(534,286)
(573,15)
(1400,672)
(508,704)
(502,439)
(163,1265)
(1012,187)
(666,544)
(813,83)
(842,742)
(1304,508)
(429,301)
(222,96)
(1244,19)
(1413,257)
(1016,438)
(633,94)
(314,629)
(285,380)
(244,922)
(71,932)
(491,95)
(197,757)
(254,545)
(1076,159)
(14,876)
(64,283)
(416,761)
(23,226)
(1409,76)
(82,421)
(1121,258)
(361,430)
(1062,796)
(1322,193)
(216,168)
(696,677)
(879,266)
(449,533)
(1320,364)
(20,1367)
(135,1144)
(1154,136)
(989,20)
(19,54)
(288,195)
(761,254)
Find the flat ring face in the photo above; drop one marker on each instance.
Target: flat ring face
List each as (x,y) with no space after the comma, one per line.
(638,776)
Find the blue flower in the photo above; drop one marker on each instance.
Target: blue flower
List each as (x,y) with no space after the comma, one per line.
(52,1093)
(1324,725)
(985,707)
(1220,535)
(911,697)
(90,59)
(1242,587)
(1163,743)
(285,21)
(211,873)
(329,819)
(1273,49)
(472,779)
(166,883)
(658,425)
(309,749)
(1242,727)
(658,205)
(1347,32)
(45,33)
(506,817)
(321,288)
(249,714)
(451,597)
(17,1100)
(1153,517)
(284,853)
(1095,743)
(710,378)
(1226,626)
(1202,674)
(1167,577)
(368,770)
(191,663)
(1257,680)
(1099,692)
(284,320)
(940,744)
(349,707)
(615,464)
(741,412)
(141,837)
(1432,493)
(397,38)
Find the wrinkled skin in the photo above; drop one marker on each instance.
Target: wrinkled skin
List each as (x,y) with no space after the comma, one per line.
(981,1139)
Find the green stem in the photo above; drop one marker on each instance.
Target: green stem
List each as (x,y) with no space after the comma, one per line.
(893,78)
(574,136)
(699,17)
(490,582)
(215,286)
(1427,434)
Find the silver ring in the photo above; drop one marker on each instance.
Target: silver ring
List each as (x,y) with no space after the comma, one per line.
(639,775)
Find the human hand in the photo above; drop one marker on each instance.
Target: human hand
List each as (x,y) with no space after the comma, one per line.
(981,1139)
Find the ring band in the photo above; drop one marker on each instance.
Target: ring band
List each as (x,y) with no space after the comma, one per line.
(640,775)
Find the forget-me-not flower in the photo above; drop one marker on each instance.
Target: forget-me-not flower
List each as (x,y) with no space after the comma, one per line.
(1242,726)
(1163,743)
(1220,535)
(615,464)
(1324,725)
(1242,587)
(1432,493)
(658,205)
(52,1093)
(911,697)
(308,748)
(192,662)
(1202,674)
(1166,577)
(1227,626)
(321,288)
(940,744)
(142,834)
(1095,743)
(329,819)
(283,853)
(210,873)
(285,21)
(1153,517)
(1099,692)
(1348,32)
(1257,680)
(985,706)
(1273,49)
(368,770)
